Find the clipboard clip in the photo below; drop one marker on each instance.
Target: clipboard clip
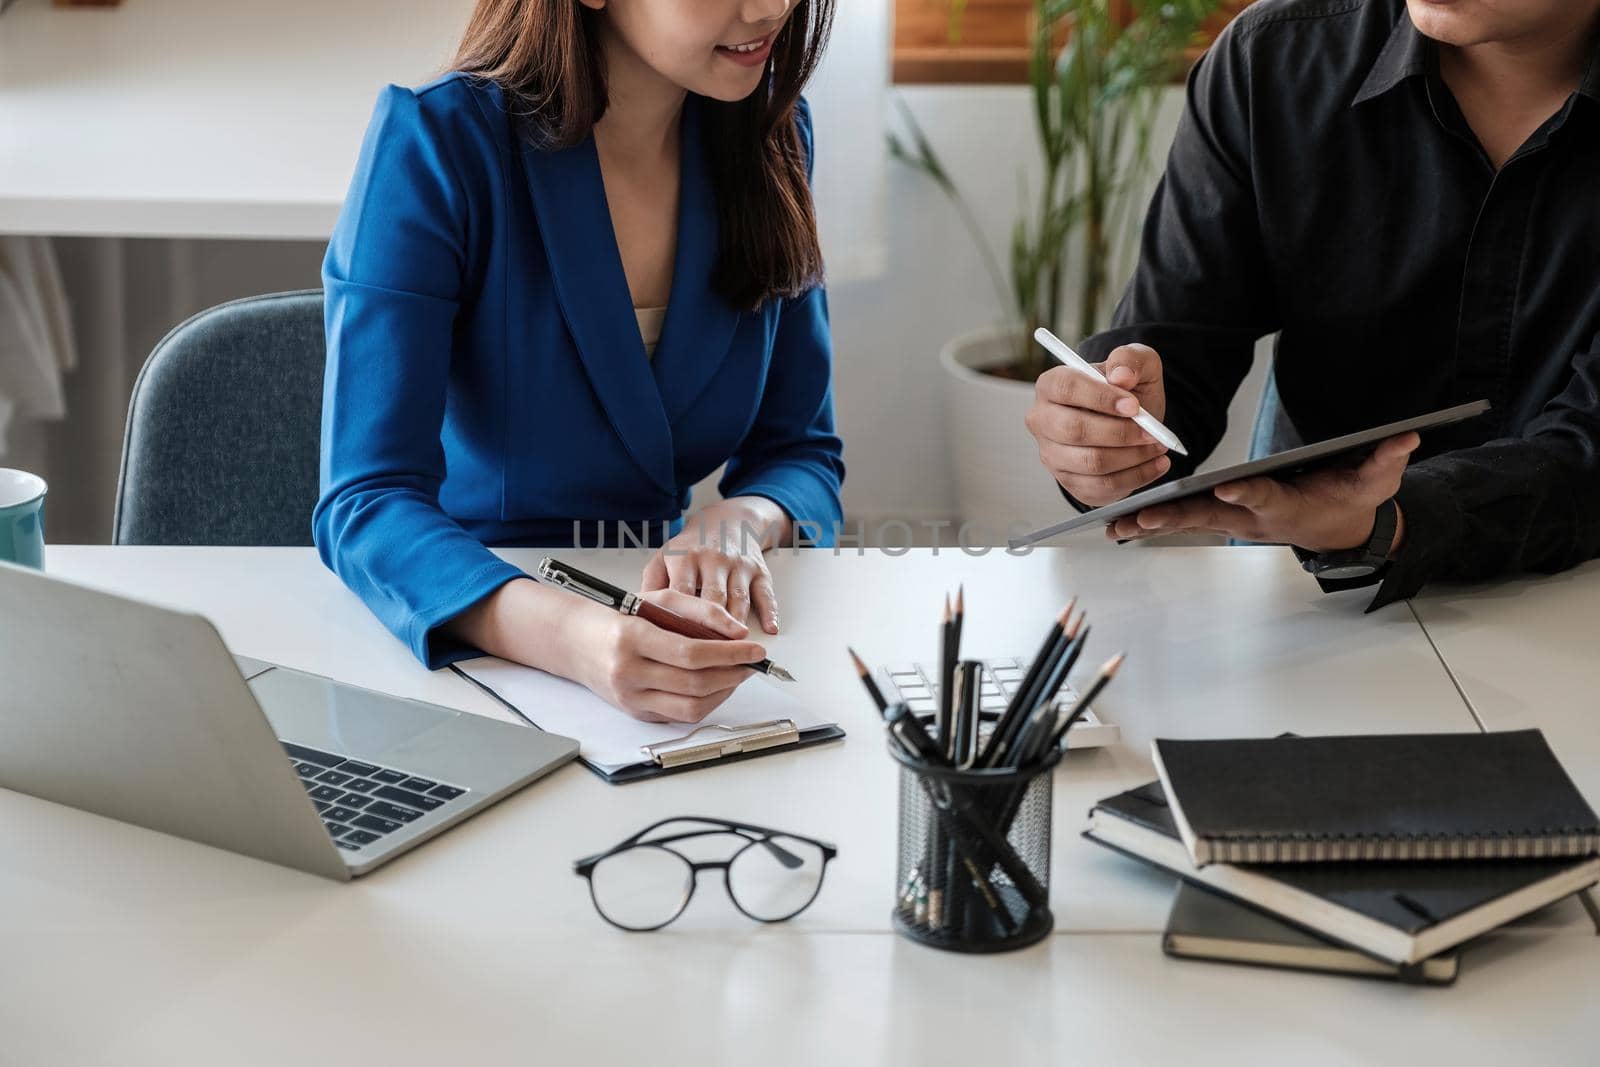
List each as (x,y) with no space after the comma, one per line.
(722,741)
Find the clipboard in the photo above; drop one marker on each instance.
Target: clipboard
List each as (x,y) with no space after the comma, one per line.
(703,746)
(1282,464)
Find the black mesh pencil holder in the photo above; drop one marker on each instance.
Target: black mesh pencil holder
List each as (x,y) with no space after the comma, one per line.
(974,868)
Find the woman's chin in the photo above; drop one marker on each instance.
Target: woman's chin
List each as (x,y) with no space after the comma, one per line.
(730,87)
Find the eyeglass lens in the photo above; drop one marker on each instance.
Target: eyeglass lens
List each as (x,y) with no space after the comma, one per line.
(772,884)
(642,888)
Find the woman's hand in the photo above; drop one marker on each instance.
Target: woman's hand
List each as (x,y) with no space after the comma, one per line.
(650,673)
(718,557)
(658,676)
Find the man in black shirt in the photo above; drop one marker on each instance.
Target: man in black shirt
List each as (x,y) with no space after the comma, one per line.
(1408,191)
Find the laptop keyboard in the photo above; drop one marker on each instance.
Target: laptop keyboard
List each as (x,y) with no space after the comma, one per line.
(360,803)
(918,685)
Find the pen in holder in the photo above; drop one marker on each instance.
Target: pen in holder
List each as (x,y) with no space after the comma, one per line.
(974,864)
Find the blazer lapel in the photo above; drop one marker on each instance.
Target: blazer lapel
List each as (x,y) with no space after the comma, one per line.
(575,223)
(698,332)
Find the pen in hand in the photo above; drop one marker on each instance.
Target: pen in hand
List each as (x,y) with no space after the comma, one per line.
(1145,421)
(602,592)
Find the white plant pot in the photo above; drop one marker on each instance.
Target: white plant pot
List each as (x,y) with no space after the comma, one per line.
(1001,487)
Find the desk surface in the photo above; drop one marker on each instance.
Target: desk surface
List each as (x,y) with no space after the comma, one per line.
(1523,653)
(192,118)
(483,941)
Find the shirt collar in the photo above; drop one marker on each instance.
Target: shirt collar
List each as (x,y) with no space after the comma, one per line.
(1404,55)
(1590,84)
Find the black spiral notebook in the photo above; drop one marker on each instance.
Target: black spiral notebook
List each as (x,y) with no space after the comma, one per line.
(1401,912)
(1431,797)
(1210,926)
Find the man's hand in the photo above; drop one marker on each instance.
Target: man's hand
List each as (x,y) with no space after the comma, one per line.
(1087,438)
(1325,511)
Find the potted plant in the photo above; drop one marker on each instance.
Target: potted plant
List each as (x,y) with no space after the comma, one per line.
(1096,71)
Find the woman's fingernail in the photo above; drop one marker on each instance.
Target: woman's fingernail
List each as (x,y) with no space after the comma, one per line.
(1128,406)
(1163,464)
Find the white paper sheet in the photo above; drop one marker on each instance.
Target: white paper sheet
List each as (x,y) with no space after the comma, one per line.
(610,738)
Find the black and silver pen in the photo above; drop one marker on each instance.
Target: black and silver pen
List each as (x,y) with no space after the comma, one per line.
(602,592)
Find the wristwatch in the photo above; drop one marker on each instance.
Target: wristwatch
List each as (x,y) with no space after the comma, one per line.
(1363,561)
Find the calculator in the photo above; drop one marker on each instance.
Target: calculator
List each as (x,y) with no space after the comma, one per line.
(917,684)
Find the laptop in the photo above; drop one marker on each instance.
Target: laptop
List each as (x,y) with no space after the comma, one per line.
(140,713)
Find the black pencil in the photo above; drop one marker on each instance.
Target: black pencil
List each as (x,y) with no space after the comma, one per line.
(1052,685)
(1107,672)
(1029,680)
(945,708)
(1041,721)
(1002,742)
(866,679)
(969,682)
(960,616)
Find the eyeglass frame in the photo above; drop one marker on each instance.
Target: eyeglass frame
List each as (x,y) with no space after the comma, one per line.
(584,868)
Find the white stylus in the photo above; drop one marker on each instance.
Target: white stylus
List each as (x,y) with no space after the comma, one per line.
(1147,422)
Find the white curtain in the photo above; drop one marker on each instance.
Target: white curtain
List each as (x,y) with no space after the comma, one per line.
(124,295)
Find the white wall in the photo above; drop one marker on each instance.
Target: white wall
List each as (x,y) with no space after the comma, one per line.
(888,330)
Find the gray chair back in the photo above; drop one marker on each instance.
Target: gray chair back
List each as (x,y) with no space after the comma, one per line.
(224,427)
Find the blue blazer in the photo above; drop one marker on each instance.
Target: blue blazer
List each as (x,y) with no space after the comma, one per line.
(486,381)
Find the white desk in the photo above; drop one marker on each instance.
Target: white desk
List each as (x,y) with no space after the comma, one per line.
(1524,654)
(482,943)
(199,118)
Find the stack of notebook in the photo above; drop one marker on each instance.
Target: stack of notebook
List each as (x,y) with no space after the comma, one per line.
(1389,852)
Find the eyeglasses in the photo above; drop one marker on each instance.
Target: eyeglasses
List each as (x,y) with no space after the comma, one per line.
(644,884)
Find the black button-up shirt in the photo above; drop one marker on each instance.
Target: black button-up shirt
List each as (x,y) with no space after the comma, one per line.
(1324,184)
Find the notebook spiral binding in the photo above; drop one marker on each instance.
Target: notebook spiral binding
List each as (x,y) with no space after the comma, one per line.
(1548,845)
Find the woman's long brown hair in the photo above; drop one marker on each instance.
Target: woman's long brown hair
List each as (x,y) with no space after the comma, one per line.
(545,56)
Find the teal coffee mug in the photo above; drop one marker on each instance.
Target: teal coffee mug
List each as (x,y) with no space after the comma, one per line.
(22,518)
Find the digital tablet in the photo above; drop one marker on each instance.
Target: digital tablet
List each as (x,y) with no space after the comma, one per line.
(1283,465)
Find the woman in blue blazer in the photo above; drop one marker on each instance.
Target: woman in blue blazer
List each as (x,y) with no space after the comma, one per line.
(495,287)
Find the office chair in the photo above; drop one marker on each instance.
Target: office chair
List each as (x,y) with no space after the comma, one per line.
(224,426)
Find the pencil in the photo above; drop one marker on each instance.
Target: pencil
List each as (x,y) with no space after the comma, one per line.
(866,679)
(969,680)
(1004,743)
(1103,679)
(1041,721)
(1029,679)
(947,667)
